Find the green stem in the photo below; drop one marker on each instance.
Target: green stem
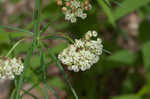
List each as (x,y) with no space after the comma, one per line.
(30,89)
(21,78)
(45,27)
(12,94)
(30,94)
(106,51)
(44,73)
(11,50)
(36,23)
(70,39)
(62,70)
(63,36)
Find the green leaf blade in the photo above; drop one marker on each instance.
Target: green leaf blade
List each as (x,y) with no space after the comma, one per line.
(128,7)
(107,11)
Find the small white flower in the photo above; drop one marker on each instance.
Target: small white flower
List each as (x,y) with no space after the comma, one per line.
(68,15)
(79,12)
(99,40)
(75,4)
(88,35)
(94,33)
(73,20)
(79,43)
(84,15)
(83,68)
(10,67)
(75,68)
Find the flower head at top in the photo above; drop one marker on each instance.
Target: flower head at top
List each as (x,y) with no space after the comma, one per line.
(83,53)
(74,8)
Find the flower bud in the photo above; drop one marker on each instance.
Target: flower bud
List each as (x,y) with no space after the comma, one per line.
(67,4)
(59,2)
(64,9)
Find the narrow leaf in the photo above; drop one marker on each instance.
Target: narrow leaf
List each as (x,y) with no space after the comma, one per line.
(127,97)
(25,92)
(26,63)
(128,7)
(146,58)
(45,27)
(46,86)
(44,73)
(107,11)
(12,94)
(33,96)
(123,56)
(36,21)
(15,28)
(62,70)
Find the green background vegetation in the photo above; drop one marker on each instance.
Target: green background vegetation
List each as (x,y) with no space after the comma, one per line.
(125,74)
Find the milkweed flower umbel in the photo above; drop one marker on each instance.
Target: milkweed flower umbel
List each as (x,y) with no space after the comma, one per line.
(83,53)
(9,68)
(74,8)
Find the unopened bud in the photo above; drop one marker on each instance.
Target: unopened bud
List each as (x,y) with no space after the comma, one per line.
(86,2)
(64,9)
(67,4)
(59,2)
(89,7)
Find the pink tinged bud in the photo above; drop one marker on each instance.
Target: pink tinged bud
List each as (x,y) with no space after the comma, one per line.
(64,9)
(59,2)
(68,4)
(89,7)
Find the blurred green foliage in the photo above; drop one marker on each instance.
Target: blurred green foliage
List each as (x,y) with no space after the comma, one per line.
(116,76)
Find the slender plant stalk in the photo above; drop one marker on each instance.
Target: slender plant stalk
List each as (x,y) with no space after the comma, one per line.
(52,90)
(30,89)
(107,2)
(15,45)
(65,75)
(106,51)
(26,63)
(70,39)
(12,94)
(36,21)
(117,3)
(44,73)
(62,70)
(60,37)
(30,94)
(46,86)
(29,54)
(45,27)
(36,32)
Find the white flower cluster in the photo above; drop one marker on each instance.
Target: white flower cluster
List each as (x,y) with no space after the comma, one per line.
(74,8)
(83,53)
(10,67)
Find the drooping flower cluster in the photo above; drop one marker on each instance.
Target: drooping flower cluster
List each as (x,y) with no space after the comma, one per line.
(10,67)
(83,53)
(74,8)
